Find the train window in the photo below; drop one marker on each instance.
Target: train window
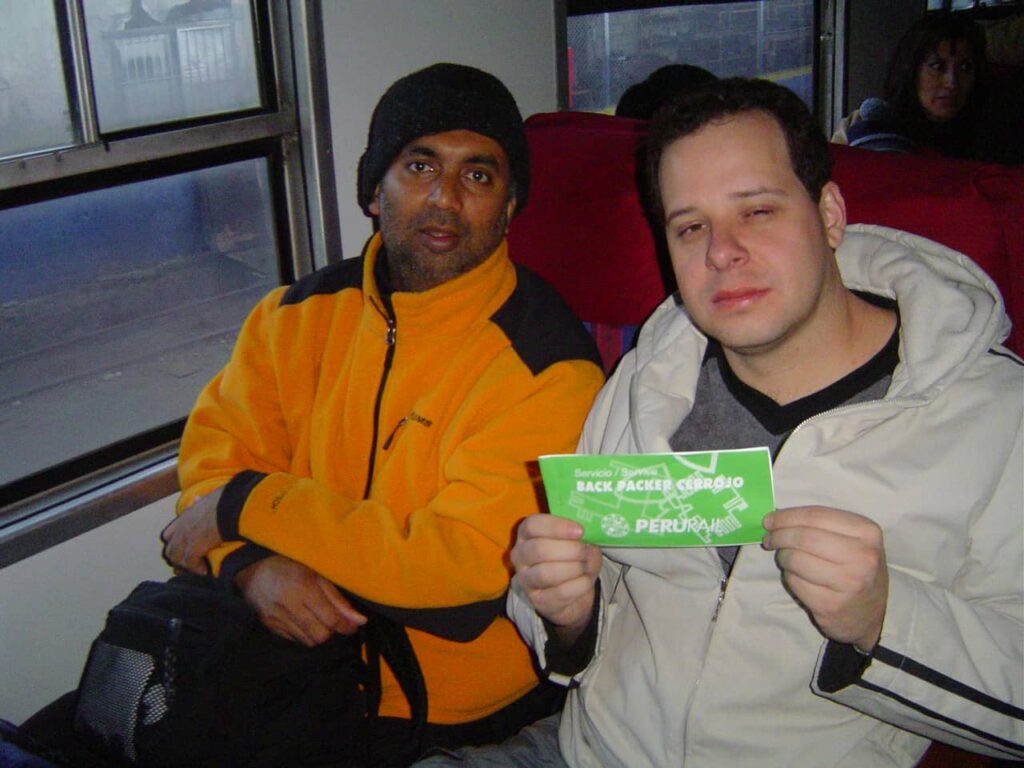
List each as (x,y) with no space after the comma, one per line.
(168,60)
(611,49)
(33,100)
(154,183)
(963,5)
(118,339)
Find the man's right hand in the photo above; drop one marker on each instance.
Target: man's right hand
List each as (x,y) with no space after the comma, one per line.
(296,602)
(557,572)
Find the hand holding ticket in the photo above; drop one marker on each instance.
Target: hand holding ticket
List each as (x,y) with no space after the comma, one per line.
(707,499)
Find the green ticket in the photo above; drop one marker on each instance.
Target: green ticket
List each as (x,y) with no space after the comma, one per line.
(707,499)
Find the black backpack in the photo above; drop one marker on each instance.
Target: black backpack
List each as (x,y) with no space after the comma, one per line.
(184,674)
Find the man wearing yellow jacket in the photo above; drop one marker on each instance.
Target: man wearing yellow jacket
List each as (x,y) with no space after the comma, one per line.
(374,426)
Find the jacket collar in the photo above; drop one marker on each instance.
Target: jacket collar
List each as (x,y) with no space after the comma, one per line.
(449,309)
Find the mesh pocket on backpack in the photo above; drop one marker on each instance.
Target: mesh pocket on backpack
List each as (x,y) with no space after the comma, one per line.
(128,680)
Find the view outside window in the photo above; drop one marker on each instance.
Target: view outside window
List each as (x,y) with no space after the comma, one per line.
(152,190)
(118,305)
(961,5)
(608,52)
(34,110)
(156,61)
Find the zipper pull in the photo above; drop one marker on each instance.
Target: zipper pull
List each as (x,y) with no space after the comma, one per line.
(392,332)
(721,597)
(398,426)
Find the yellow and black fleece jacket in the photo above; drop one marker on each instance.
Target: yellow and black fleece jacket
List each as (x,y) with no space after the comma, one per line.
(383,439)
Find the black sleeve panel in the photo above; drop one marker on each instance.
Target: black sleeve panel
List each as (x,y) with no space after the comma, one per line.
(347,273)
(841,666)
(239,560)
(232,499)
(460,624)
(932,676)
(569,661)
(542,328)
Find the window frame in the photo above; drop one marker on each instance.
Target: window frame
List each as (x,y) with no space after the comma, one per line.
(829,55)
(292,131)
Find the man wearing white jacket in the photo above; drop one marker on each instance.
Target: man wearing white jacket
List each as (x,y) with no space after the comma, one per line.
(885,605)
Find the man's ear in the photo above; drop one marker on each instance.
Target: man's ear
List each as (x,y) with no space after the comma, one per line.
(510,210)
(374,206)
(832,209)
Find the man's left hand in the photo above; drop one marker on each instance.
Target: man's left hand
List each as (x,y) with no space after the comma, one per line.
(192,534)
(833,562)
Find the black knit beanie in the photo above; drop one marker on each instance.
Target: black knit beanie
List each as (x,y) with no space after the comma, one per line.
(443,97)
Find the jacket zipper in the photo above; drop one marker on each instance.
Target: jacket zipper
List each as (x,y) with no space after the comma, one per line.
(389,356)
(724,582)
(903,402)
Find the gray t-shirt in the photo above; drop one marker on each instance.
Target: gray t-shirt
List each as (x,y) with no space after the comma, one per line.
(728,414)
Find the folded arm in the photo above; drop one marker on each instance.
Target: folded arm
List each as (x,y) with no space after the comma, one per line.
(449,552)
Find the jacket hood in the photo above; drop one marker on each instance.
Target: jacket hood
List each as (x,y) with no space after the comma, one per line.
(951,312)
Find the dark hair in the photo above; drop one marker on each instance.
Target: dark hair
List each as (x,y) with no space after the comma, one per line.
(689,112)
(920,40)
(641,100)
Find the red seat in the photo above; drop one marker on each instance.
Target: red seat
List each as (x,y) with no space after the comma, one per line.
(584,228)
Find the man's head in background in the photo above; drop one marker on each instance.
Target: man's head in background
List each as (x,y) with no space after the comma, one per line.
(641,100)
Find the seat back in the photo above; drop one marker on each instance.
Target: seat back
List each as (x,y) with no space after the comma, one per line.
(585,231)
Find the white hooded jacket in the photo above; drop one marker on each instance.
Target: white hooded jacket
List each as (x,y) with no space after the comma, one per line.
(686,674)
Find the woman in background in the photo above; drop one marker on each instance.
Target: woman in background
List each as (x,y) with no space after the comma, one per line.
(933,92)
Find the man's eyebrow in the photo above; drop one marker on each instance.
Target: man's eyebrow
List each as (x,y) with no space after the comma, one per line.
(679,212)
(420,149)
(488,160)
(758,191)
(740,195)
(484,159)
